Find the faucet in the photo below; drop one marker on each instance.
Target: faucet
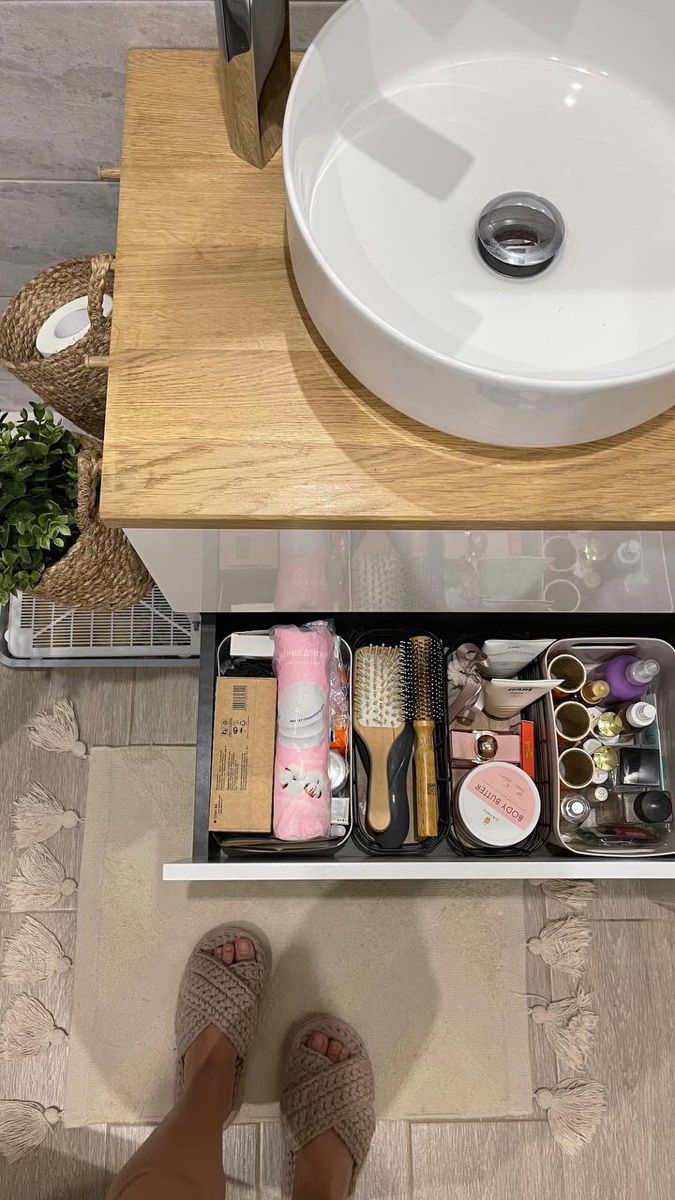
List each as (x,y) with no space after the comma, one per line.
(255,74)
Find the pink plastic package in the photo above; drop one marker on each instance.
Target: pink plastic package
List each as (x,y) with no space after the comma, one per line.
(302,792)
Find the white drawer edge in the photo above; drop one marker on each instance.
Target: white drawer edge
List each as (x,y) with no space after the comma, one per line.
(586,868)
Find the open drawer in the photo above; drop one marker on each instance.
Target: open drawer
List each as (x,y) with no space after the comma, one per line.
(210,861)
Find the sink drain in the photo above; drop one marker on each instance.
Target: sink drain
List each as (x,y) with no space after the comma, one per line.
(519,234)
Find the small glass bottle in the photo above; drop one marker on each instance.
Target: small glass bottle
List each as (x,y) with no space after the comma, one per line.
(598,795)
(575,809)
(638,715)
(595,691)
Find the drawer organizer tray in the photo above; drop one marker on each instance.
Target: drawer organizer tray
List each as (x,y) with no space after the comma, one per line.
(592,652)
(263,843)
(546,854)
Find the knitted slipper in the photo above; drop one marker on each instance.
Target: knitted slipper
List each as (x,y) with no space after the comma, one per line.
(318,1095)
(211,993)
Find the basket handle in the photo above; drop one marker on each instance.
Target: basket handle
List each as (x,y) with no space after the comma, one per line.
(88,478)
(102,266)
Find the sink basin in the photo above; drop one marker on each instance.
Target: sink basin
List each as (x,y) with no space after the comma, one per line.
(407,118)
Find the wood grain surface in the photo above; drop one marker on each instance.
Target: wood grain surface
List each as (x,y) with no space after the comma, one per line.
(225,408)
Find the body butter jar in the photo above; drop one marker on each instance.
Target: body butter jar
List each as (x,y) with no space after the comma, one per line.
(497,806)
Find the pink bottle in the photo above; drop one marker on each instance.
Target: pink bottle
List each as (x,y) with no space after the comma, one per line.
(629,677)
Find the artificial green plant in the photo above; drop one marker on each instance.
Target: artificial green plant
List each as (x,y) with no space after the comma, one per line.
(38,497)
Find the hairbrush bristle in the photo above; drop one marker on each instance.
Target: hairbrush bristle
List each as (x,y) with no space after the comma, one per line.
(423,678)
(378,686)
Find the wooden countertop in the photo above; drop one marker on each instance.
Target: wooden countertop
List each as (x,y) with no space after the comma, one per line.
(226,410)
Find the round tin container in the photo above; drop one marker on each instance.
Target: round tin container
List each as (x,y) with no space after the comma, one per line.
(497,805)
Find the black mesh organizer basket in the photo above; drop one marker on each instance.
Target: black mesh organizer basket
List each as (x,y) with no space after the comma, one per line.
(539,836)
(394,637)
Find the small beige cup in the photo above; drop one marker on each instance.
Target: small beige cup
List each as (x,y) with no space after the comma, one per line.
(575,768)
(572,672)
(572,722)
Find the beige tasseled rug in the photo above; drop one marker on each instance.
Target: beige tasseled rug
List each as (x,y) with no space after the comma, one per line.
(433,975)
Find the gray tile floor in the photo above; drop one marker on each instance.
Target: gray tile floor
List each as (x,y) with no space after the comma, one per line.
(632,969)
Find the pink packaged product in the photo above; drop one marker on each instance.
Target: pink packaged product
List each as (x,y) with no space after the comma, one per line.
(302,790)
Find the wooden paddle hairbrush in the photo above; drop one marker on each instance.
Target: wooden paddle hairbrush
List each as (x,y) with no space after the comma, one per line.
(378,719)
(423,672)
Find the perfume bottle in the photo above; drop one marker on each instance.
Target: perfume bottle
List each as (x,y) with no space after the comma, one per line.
(630,677)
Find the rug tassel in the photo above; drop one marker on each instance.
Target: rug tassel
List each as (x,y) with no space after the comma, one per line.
(562,945)
(38,815)
(56,729)
(574,1108)
(28,1028)
(33,955)
(24,1126)
(569,1026)
(575,894)
(40,882)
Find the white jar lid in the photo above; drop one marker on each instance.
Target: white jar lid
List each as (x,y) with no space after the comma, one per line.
(498,804)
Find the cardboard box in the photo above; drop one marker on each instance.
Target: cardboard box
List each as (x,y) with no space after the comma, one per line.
(242,770)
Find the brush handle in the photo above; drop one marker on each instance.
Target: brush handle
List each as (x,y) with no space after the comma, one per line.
(398,762)
(379,742)
(426,784)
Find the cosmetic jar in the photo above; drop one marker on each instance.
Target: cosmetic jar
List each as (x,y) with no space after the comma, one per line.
(497,805)
(654,808)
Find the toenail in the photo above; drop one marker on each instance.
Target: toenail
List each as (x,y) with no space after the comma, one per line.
(334,1050)
(344,1054)
(245,948)
(319,1042)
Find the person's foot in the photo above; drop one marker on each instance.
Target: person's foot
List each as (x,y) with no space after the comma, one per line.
(324,1167)
(211,1049)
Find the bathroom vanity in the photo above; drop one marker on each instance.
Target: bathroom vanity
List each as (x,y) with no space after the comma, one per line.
(253,473)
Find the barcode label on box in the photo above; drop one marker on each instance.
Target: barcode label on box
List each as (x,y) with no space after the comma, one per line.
(239,697)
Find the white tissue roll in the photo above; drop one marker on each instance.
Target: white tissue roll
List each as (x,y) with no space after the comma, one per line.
(67,325)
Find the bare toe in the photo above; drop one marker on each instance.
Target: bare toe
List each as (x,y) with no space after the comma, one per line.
(334,1050)
(244,950)
(319,1042)
(225,953)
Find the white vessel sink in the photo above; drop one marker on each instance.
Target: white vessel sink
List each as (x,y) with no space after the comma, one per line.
(405,119)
